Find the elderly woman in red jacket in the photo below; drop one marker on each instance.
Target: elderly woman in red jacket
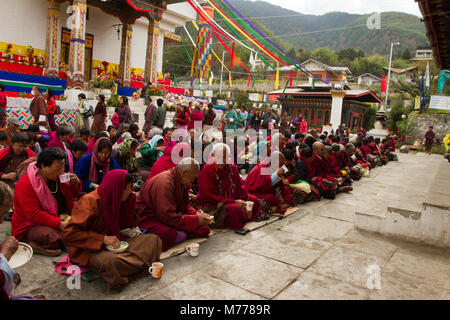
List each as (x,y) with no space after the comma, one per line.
(40,198)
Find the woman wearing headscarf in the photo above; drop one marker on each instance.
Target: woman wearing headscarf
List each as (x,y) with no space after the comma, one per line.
(99,123)
(106,217)
(94,166)
(150,152)
(125,154)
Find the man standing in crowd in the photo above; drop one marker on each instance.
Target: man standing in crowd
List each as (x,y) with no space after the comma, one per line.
(429,139)
(159,115)
(38,108)
(149,112)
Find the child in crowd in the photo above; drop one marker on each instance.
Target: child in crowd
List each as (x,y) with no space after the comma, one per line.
(112,130)
(34,144)
(115,118)
(85,135)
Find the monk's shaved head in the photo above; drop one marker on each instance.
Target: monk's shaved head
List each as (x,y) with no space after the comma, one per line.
(317,146)
(188,164)
(221,152)
(188,169)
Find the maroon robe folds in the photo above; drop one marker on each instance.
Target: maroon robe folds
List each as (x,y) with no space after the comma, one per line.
(261,187)
(225,186)
(163,208)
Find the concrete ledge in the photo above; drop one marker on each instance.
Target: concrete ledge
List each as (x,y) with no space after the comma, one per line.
(431,225)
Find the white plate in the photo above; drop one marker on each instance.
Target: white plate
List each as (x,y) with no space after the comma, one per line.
(22,256)
(123,247)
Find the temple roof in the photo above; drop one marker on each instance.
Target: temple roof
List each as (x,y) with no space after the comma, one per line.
(436,18)
(128,11)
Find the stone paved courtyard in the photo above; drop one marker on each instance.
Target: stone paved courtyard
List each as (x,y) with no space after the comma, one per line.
(316,253)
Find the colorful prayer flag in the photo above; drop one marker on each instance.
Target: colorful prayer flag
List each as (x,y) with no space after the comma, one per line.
(383,84)
(277,77)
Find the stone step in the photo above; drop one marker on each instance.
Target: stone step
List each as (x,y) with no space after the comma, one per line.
(431,225)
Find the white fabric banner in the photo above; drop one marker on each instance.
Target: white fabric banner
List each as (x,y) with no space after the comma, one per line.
(440,102)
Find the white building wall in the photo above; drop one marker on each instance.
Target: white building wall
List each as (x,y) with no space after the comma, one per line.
(24,22)
(139,43)
(100,24)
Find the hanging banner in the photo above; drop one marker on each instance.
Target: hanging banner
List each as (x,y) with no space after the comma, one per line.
(417,103)
(253,96)
(440,102)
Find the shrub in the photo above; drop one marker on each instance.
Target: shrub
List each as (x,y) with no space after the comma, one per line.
(113,102)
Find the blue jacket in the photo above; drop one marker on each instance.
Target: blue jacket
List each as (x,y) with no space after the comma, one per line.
(84,166)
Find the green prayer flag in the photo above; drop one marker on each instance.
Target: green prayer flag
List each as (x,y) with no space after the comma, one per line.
(175,81)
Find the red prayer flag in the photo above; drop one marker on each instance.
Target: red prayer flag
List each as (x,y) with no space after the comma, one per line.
(232,56)
(291,78)
(249,80)
(383,84)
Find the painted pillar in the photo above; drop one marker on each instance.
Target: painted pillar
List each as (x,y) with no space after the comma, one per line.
(336,107)
(125,55)
(160,53)
(51,63)
(151,59)
(75,75)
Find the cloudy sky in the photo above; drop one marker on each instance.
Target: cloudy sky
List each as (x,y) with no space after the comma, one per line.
(319,7)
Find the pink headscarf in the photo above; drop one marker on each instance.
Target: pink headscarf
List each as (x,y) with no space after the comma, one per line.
(46,200)
(95,161)
(117,215)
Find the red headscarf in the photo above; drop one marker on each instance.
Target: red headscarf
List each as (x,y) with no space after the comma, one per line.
(117,215)
(95,161)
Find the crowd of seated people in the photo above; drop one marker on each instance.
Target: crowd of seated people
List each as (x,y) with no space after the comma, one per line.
(97,205)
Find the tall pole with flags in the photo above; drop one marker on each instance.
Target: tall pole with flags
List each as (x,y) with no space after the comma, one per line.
(389,74)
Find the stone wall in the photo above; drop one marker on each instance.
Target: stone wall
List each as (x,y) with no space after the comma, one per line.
(440,123)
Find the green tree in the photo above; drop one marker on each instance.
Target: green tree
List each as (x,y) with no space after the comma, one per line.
(325,55)
(395,114)
(350,54)
(406,126)
(406,54)
(370,116)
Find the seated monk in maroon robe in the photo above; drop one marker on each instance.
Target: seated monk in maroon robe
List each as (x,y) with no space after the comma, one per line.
(346,163)
(163,206)
(323,171)
(105,217)
(271,186)
(222,194)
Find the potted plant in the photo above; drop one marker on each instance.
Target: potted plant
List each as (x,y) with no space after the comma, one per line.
(113,102)
(103,84)
(156,93)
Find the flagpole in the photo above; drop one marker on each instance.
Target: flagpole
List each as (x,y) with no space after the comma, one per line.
(221,72)
(389,75)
